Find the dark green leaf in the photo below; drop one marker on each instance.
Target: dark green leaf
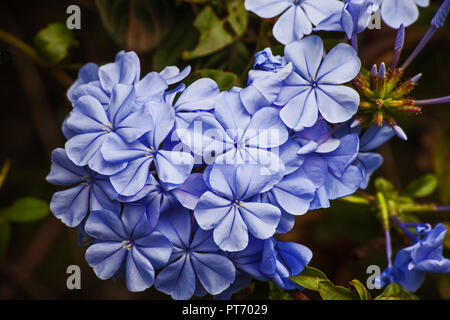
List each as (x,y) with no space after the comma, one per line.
(5,234)
(363,293)
(53,42)
(137,25)
(276,293)
(309,278)
(422,187)
(225,80)
(214,34)
(25,210)
(396,292)
(329,291)
(441,159)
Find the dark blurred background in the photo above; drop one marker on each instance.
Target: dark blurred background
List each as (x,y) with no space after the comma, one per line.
(345,239)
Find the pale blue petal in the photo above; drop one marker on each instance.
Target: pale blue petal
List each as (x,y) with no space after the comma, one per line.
(337,103)
(63,171)
(71,206)
(340,65)
(305,55)
(261,218)
(106,258)
(398,12)
(267,8)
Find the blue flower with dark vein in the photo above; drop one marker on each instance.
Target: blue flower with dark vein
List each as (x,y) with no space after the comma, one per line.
(129,243)
(316,86)
(413,262)
(172,167)
(89,191)
(298,16)
(196,265)
(231,210)
(353,19)
(281,260)
(233,136)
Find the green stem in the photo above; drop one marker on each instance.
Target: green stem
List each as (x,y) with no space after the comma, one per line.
(22,46)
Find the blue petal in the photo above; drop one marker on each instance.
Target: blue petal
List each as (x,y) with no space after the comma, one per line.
(215,272)
(292,25)
(106,258)
(231,232)
(398,12)
(132,179)
(305,55)
(173,167)
(64,172)
(344,155)
(175,225)
(301,111)
(105,226)
(346,185)
(190,192)
(211,210)
(177,279)
(71,205)
(200,95)
(156,248)
(125,70)
(296,256)
(261,218)
(139,273)
(375,136)
(265,129)
(340,65)
(267,8)
(337,103)
(88,115)
(163,117)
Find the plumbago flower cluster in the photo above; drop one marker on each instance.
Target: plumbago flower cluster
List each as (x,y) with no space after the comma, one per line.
(184,188)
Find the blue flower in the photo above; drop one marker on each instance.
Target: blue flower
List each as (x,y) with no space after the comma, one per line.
(196,265)
(324,159)
(353,19)
(398,12)
(172,167)
(263,88)
(413,262)
(92,124)
(316,86)
(89,191)
(230,208)
(293,195)
(129,243)
(232,135)
(159,197)
(281,260)
(297,18)
(266,61)
(199,97)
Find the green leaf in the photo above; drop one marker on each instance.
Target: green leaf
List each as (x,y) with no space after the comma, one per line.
(441,159)
(214,34)
(329,291)
(5,234)
(225,80)
(309,278)
(137,25)
(355,200)
(276,293)
(363,293)
(53,42)
(25,210)
(396,292)
(422,187)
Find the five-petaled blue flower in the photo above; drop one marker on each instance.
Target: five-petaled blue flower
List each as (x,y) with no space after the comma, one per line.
(316,86)
(127,243)
(230,208)
(298,16)
(196,266)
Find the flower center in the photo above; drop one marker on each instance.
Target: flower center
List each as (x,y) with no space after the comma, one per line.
(238,203)
(151,152)
(127,244)
(107,127)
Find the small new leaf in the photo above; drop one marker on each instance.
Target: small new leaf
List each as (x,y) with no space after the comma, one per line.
(276,293)
(53,42)
(25,210)
(396,292)
(422,187)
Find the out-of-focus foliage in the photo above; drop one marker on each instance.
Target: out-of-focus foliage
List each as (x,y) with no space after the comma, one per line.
(53,42)
(442,167)
(137,25)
